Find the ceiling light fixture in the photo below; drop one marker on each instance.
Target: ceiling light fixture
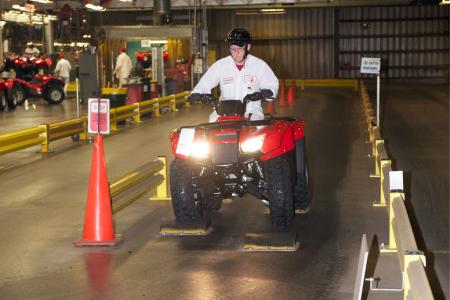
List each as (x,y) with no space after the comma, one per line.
(94,7)
(43,1)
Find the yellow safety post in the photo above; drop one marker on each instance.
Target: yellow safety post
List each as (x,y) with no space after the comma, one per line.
(173,103)
(157,109)
(84,134)
(137,114)
(162,189)
(46,142)
(392,244)
(383,183)
(113,119)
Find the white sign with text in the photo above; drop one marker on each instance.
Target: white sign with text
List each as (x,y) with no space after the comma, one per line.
(370,65)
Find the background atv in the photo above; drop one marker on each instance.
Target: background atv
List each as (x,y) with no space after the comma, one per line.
(234,156)
(32,80)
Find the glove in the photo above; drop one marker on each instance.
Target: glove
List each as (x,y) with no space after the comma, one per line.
(207,98)
(195,97)
(253,97)
(263,94)
(266,93)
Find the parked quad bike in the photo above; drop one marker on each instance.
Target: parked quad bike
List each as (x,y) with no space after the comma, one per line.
(32,80)
(234,156)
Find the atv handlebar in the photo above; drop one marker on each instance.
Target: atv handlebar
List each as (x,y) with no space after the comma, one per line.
(209,99)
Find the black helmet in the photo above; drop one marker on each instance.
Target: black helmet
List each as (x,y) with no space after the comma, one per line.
(239,37)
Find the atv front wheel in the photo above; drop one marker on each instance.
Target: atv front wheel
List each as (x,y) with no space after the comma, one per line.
(186,204)
(55,94)
(278,176)
(301,188)
(17,96)
(2,101)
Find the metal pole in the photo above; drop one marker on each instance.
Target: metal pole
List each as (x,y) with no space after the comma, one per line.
(378,101)
(112,68)
(78,98)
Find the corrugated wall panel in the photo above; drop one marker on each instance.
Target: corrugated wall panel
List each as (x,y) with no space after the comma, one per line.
(298,44)
(411,40)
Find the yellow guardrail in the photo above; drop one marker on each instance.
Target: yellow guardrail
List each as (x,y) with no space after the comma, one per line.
(129,187)
(63,129)
(181,98)
(22,139)
(339,83)
(168,102)
(401,238)
(44,134)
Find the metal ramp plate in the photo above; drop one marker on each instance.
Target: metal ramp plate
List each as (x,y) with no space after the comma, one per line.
(197,227)
(298,211)
(271,241)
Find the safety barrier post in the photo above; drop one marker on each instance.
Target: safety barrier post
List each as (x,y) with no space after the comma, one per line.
(113,119)
(137,114)
(173,103)
(384,181)
(46,142)
(162,189)
(84,134)
(157,109)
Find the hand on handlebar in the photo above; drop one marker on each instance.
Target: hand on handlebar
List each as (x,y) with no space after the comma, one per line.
(263,94)
(205,98)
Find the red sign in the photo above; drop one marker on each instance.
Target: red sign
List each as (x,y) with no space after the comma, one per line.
(98,121)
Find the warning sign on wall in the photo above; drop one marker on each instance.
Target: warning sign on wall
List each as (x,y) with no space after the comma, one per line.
(370,65)
(98,117)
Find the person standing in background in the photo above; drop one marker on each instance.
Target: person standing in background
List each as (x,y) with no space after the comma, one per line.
(62,69)
(31,50)
(123,67)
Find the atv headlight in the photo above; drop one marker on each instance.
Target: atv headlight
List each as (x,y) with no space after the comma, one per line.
(253,144)
(200,149)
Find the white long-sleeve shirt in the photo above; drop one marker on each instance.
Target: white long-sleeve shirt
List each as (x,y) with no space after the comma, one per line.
(63,68)
(235,85)
(123,66)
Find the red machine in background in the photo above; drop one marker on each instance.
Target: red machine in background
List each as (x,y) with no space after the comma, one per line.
(32,79)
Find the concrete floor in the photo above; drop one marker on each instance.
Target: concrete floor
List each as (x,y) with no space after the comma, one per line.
(42,211)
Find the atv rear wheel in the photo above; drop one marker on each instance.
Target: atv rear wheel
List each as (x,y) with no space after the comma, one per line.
(301,188)
(186,204)
(55,94)
(17,96)
(278,175)
(2,101)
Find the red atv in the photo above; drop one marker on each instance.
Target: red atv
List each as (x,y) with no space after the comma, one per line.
(32,80)
(234,156)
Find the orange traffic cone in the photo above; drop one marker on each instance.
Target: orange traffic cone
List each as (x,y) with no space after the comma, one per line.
(98,225)
(282,94)
(291,94)
(271,108)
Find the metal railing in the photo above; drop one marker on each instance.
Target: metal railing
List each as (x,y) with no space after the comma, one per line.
(133,185)
(44,134)
(401,235)
(339,83)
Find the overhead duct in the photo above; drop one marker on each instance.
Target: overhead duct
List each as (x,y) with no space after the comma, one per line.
(161,12)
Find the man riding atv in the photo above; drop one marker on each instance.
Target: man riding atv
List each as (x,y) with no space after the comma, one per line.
(239,151)
(239,75)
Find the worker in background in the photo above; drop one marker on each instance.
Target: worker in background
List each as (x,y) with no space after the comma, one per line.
(62,69)
(31,50)
(123,67)
(240,75)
